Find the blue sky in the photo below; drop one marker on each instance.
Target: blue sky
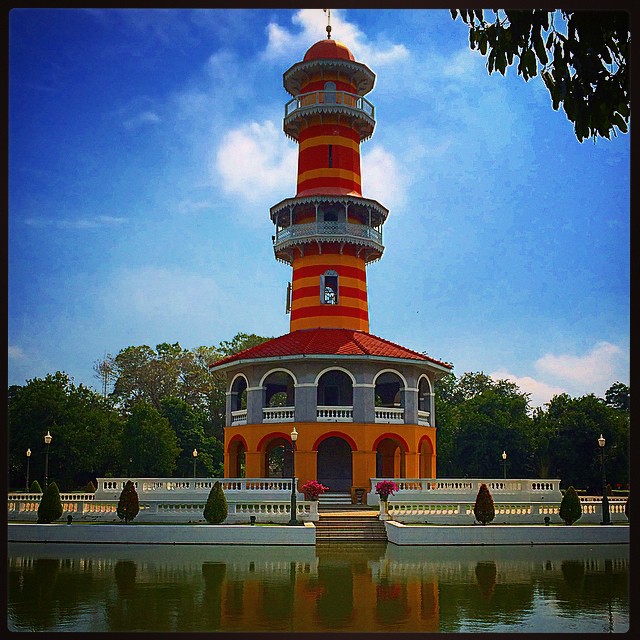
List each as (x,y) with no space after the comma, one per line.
(146,147)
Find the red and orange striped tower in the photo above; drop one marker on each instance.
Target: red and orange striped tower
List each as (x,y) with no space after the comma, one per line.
(329,232)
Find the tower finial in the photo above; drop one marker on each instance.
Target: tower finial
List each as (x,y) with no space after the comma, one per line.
(328,12)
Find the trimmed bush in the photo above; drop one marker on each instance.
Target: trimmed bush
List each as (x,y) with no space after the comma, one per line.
(35,487)
(626,508)
(128,505)
(89,487)
(50,508)
(215,511)
(483,510)
(570,507)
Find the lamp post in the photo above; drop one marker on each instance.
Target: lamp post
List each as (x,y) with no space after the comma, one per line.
(195,456)
(606,519)
(28,460)
(47,441)
(504,463)
(294,437)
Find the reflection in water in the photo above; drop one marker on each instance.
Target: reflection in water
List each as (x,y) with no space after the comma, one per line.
(376,588)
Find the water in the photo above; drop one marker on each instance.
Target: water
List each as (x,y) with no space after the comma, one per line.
(372,588)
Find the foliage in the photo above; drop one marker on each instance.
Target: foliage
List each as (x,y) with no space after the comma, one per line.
(128,504)
(618,396)
(149,444)
(215,511)
(35,487)
(313,489)
(570,507)
(386,488)
(585,69)
(85,426)
(50,508)
(90,487)
(484,510)
(626,507)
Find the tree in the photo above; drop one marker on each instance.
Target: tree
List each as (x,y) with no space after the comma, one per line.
(50,508)
(570,507)
(128,504)
(483,509)
(215,511)
(35,487)
(585,69)
(149,444)
(618,396)
(86,430)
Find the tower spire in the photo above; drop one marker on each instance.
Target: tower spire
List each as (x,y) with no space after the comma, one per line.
(328,12)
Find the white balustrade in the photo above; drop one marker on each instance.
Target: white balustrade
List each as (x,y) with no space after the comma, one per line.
(239,417)
(424,418)
(278,414)
(390,415)
(334,414)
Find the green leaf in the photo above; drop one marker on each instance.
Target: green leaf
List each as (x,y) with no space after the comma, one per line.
(541,52)
(618,121)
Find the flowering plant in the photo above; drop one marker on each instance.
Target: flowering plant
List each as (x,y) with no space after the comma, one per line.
(386,488)
(313,489)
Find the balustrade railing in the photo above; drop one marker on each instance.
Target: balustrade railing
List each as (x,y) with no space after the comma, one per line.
(328,229)
(424,418)
(329,99)
(334,414)
(389,415)
(239,417)
(278,414)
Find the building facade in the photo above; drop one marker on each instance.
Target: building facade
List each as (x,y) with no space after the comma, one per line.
(363,407)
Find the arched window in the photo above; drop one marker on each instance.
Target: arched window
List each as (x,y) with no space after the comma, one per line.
(329,287)
(330,92)
(335,388)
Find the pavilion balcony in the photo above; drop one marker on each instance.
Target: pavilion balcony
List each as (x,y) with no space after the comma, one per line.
(334,414)
(278,414)
(390,415)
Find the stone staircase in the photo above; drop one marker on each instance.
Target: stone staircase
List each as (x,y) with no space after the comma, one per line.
(334,501)
(354,526)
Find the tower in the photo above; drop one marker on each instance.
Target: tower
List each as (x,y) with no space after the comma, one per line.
(363,407)
(328,232)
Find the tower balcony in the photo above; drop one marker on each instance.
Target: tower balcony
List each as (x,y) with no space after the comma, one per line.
(339,103)
(344,232)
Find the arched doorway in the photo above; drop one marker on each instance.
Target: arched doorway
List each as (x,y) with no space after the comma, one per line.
(278,461)
(334,464)
(237,451)
(390,458)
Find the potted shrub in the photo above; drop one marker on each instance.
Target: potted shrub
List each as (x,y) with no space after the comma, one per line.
(570,507)
(484,510)
(385,489)
(313,489)
(128,504)
(216,510)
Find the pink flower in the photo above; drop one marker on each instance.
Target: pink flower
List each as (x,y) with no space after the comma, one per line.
(313,489)
(385,488)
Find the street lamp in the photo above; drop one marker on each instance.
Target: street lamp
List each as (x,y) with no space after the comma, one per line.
(504,463)
(47,441)
(294,437)
(606,519)
(195,455)
(28,460)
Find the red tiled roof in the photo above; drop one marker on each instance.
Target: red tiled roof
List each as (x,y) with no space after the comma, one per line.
(328,49)
(346,342)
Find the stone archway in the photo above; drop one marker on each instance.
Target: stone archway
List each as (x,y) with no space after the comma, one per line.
(390,457)
(335,469)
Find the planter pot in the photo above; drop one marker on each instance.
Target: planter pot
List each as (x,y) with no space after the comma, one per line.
(384,513)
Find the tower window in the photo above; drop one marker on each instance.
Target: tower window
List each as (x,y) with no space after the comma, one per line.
(330,92)
(329,288)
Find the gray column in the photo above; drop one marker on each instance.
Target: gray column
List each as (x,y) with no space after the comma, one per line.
(306,402)
(255,399)
(410,402)
(364,403)
(228,403)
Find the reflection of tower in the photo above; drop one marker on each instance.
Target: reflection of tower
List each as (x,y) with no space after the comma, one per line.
(328,232)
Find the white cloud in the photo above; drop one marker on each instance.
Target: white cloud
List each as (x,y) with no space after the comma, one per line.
(147,117)
(186,207)
(382,178)
(600,366)
(255,163)
(540,392)
(16,353)
(77,223)
(312,23)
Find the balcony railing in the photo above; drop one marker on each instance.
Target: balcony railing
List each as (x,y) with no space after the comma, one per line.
(239,417)
(337,99)
(390,415)
(334,414)
(328,229)
(424,418)
(278,414)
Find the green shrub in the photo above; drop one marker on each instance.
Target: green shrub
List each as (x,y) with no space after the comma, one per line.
(570,507)
(215,511)
(626,508)
(483,510)
(50,508)
(35,487)
(128,505)
(89,487)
